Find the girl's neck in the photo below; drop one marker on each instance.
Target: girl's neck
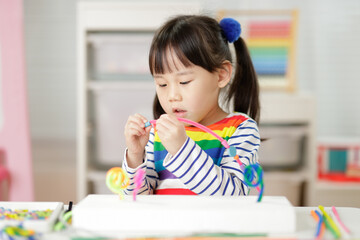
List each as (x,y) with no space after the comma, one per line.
(214,116)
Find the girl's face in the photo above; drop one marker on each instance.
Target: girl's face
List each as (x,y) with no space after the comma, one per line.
(189,92)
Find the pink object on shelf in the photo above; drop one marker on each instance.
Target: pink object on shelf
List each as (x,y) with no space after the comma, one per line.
(4,178)
(4,183)
(4,173)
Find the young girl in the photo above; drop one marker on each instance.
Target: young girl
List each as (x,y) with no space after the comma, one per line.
(191,62)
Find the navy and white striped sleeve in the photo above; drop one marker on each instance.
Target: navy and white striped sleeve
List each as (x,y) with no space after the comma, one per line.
(151,178)
(195,168)
(246,140)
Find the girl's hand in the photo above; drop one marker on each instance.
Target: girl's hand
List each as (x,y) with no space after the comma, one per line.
(171,133)
(136,137)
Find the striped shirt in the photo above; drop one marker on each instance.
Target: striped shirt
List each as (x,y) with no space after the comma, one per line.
(202,165)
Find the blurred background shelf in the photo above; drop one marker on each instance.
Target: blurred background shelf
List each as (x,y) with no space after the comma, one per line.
(113,39)
(327,185)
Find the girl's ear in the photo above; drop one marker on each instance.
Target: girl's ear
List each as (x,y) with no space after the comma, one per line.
(224,74)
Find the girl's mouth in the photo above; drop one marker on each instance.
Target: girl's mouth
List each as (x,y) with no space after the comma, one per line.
(179,112)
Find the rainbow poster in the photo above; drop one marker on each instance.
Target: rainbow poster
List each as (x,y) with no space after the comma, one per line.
(270,37)
(269,43)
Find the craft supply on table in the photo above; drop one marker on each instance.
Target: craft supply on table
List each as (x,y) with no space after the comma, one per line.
(139,176)
(117,181)
(36,216)
(329,220)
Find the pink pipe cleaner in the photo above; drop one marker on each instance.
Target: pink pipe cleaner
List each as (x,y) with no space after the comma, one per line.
(339,220)
(223,141)
(138,178)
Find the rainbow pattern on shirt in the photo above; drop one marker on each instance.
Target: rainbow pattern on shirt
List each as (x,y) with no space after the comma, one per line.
(210,144)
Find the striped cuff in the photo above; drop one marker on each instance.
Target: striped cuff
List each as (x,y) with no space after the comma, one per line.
(169,159)
(130,170)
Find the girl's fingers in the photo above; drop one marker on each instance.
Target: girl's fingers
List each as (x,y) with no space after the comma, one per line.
(171,132)
(135,126)
(135,129)
(141,118)
(137,119)
(167,120)
(168,125)
(135,132)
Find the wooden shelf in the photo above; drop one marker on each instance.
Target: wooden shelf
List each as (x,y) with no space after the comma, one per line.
(292,176)
(328,185)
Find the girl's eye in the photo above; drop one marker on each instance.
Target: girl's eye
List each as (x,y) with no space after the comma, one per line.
(185,82)
(162,85)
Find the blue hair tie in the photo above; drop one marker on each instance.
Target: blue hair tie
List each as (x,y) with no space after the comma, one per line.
(231,28)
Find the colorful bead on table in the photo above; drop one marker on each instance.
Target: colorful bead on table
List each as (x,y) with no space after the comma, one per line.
(24,214)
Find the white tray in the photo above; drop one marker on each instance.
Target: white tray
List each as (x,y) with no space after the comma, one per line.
(154,214)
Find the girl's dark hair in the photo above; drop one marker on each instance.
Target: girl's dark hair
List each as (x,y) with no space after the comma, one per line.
(199,40)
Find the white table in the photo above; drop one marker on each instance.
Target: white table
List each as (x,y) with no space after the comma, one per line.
(305,225)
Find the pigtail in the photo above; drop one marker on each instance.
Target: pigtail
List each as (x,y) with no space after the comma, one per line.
(244,89)
(157,109)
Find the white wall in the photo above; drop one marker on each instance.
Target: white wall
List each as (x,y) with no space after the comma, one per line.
(50,48)
(51,67)
(328,64)
(337,67)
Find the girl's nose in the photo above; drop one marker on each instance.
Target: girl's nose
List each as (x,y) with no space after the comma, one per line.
(174,94)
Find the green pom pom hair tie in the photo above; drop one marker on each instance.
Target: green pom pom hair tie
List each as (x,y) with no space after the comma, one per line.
(231,29)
